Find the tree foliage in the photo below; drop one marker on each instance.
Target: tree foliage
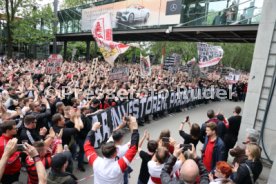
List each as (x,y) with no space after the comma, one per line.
(81,50)
(73,3)
(22,17)
(236,55)
(35,27)
(187,50)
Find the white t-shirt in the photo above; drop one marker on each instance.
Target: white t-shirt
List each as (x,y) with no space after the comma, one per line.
(122,149)
(217,181)
(155,169)
(107,171)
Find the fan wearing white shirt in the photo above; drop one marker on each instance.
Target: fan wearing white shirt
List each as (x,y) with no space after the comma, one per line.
(118,138)
(156,165)
(108,169)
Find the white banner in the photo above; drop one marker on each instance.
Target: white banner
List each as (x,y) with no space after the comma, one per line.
(145,66)
(232,78)
(102,33)
(54,64)
(208,55)
(120,74)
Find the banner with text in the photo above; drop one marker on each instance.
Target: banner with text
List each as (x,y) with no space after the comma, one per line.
(120,74)
(208,55)
(112,117)
(54,64)
(232,78)
(172,62)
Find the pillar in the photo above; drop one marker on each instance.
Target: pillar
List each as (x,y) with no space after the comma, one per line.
(64,50)
(257,103)
(87,50)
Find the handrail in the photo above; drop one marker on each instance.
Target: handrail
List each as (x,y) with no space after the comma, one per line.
(234,23)
(135,27)
(205,16)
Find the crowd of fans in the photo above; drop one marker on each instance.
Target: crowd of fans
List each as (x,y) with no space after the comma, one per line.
(45,129)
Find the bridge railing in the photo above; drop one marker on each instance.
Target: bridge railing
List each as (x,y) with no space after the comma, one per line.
(202,13)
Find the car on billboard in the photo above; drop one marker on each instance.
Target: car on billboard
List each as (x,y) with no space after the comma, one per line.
(133,13)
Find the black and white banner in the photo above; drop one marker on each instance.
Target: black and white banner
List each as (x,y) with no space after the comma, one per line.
(208,55)
(171,62)
(112,117)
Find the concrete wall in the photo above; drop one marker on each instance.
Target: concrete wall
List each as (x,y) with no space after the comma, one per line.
(264,55)
(262,70)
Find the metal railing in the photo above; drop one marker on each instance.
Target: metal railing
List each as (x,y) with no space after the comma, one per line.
(72,22)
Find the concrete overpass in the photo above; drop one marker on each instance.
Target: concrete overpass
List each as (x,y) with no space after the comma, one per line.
(229,33)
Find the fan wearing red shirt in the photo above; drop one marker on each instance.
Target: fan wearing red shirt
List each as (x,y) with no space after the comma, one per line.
(13,166)
(213,149)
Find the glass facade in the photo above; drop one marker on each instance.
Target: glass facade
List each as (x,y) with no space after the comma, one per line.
(192,13)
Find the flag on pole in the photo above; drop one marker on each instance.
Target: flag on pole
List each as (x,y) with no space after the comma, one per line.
(163,55)
(162,58)
(145,66)
(103,35)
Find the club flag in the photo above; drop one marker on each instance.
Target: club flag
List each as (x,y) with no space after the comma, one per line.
(103,35)
(145,66)
(208,55)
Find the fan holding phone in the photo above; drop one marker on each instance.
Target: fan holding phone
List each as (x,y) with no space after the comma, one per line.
(194,135)
(165,140)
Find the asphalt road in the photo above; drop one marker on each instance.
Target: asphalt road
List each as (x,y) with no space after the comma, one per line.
(172,122)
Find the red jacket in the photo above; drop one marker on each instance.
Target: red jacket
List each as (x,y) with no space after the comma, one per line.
(31,169)
(13,165)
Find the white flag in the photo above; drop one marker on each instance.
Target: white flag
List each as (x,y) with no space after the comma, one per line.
(145,66)
(102,33)
(208,55)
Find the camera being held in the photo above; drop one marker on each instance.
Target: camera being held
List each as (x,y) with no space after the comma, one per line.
(185,147)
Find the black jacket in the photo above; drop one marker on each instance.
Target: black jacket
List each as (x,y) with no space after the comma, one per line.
(61,178)
(218,152)
(43,119)
(68,136)
(243,177)
(86,127)
(32,135)
(167,169)
(188,138)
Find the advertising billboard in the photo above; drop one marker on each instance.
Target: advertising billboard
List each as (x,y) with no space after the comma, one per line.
(133,13)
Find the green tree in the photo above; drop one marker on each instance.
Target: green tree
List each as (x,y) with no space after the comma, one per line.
(35,27)
(187,50)
(22,18)
(236,55)
(72,3)
(11,8)
(81,50)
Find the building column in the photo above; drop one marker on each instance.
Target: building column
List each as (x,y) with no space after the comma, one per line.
(87,50)
(64,50)
(259,108)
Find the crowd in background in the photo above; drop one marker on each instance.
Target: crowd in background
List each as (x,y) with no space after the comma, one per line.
(47,129)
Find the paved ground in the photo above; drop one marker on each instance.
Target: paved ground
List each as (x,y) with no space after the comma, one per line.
(172,122)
